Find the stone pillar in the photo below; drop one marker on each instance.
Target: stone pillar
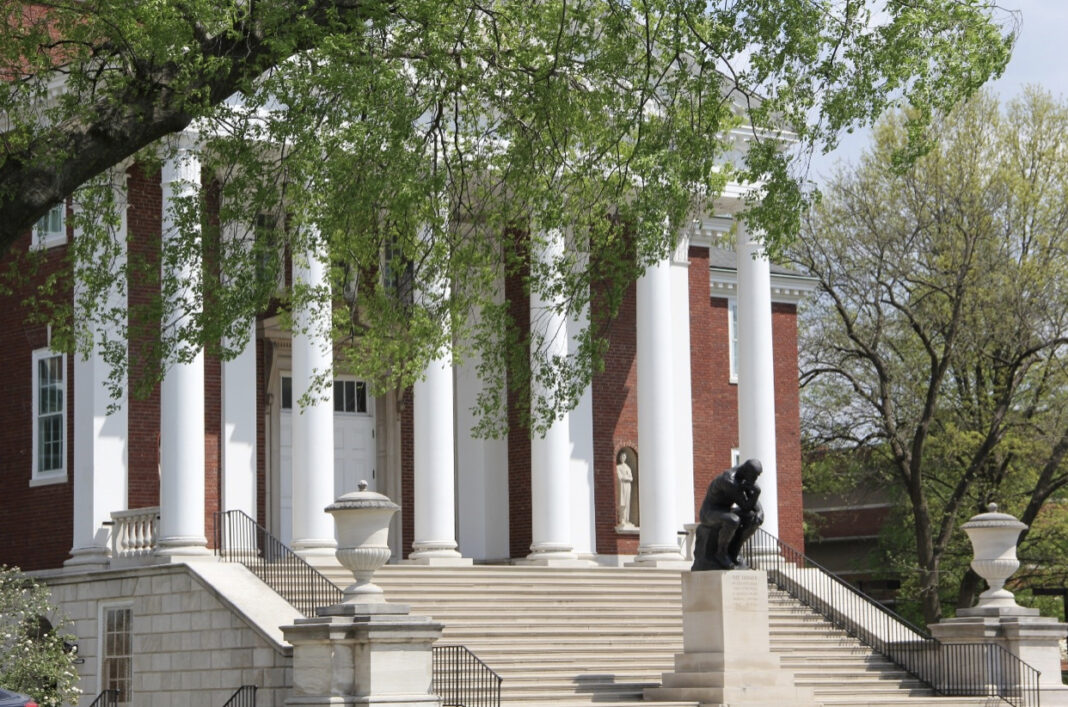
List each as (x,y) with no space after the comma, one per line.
(657,487)
(727,656)
(313,407)
(681,384)
(997,620)
(363,660)
(100,435)
(756,371)
(435,478)
(239,419)
(550,453)
(181,525)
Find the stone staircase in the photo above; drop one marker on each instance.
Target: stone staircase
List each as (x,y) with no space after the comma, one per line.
(597,637)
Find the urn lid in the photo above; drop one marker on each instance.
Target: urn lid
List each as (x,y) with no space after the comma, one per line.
(362,499)
(993,519)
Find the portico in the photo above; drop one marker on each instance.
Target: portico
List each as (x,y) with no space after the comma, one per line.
(286,445)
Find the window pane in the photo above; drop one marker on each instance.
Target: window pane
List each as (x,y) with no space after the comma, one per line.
(287,393)
(339,396)
(361,397)
(350,396)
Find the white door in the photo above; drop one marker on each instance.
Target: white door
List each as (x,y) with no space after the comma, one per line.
(354,445)
(354,441)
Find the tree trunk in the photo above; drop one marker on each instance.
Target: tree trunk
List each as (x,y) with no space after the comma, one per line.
(970,587)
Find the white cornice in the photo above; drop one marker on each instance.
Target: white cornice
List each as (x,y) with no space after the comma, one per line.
(785,289)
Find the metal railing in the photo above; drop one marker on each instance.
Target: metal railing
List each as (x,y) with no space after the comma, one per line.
(107,698)
(959,669)
(461,679)
(238,538)
(245,696)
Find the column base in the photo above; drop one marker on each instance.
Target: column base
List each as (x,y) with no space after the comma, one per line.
(182,549)
(93,557)
(436,553)
(666,556)
(552,555)
(320,554)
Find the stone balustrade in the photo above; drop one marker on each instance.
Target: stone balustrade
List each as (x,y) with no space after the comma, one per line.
(133,535)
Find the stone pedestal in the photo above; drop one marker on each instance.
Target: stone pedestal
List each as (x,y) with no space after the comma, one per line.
(1032,638)
(368,659)
(727,658)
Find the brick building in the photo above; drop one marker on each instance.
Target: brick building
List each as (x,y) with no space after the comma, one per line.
(73,457)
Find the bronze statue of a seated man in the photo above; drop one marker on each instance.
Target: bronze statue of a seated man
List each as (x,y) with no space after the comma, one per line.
(730,514)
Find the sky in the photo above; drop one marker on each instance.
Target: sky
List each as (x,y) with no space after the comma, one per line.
(1038,58)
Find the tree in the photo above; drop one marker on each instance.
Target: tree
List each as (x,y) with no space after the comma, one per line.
(451,136)
(35,653)
(937,343)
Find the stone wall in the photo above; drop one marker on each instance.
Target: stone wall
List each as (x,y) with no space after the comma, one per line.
(190,645)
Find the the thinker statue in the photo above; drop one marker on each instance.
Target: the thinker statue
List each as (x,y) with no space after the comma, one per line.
(730,514)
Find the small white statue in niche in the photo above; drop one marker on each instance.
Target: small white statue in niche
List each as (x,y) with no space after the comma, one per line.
(626,475)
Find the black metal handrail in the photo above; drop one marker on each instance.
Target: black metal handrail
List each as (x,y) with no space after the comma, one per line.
(107,698)
(238,538)
(245,696)
(461,679)
(960,669)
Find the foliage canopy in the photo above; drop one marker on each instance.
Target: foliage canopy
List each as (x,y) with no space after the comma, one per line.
(442,140)
(939,339)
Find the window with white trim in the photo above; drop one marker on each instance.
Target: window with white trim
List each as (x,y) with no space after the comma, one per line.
(732,334)
(736,456)
(49,417)
(116,650)
(350,396)
(51,229)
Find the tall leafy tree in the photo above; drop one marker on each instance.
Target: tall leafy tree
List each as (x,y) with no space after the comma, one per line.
(36,656)
(939,337)
(440,140)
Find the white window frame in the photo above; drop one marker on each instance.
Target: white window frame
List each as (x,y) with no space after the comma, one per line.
(103,609)
(51,476)
(736,456)
(732,337)
(43,237)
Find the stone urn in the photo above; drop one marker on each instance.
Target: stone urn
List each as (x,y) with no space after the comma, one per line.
(994,536)
(362,520)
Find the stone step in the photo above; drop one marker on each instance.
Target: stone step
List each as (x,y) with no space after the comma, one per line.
(597,637)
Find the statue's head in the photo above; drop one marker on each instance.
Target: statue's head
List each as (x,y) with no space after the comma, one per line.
(748,472)
(623,457)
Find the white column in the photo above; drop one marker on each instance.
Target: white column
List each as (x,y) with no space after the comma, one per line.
(657,488)
(239,418)
(756,372)
(434,524)
(580,431)
(181,527)
(550,453)
(313,409)
(481,468)
(681,386)
(100,434)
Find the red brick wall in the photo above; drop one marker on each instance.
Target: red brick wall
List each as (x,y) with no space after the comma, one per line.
(212,443)
(262,371)
(144,218)
(36,527)
(615,423)
(520,532)
(407,473)
(715,398)
(787,424)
